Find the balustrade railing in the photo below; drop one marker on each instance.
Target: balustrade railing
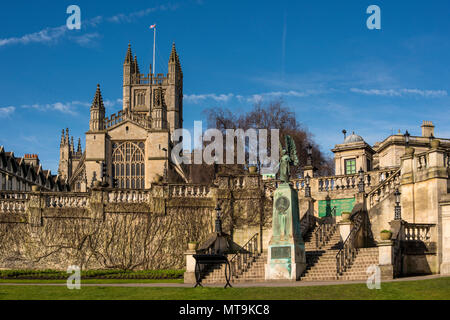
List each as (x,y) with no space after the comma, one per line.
(418,231)
(384,189)
(247,254)
(128,196)
(192,191)
(66,200)
(422,161)
(347,253)
(122,116)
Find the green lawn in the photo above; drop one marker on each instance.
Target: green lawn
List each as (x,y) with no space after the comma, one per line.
(434,289)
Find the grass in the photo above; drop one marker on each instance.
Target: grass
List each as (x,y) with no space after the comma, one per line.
(434,289)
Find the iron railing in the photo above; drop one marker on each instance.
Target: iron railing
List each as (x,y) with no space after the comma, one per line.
(347,253)
(242,260)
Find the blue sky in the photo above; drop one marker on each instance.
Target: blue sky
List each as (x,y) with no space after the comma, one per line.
(318,56)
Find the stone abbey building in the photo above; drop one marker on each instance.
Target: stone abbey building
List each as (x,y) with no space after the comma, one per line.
(387,204)
(135,143)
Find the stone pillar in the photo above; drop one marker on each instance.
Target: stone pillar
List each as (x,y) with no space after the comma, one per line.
(386,259)
(35,207)
(286,259)
(344,229)
(445,235)
(96,206)
(189,275)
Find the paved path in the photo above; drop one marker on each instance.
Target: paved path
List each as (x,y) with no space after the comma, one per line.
(237,285)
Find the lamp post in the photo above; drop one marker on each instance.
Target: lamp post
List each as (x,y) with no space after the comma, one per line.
(361,180)
(218,219)
(307,186)
(398,209)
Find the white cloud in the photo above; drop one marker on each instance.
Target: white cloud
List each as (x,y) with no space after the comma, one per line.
(53,34)
(44,36)
(131,17)
(7,111)
(224,98)
(67,108)
(87,39)
(401,92)
(196,98)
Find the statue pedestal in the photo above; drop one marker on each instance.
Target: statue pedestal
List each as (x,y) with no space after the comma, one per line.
(286,253)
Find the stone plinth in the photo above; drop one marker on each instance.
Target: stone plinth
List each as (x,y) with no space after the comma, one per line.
(286,253)
(385,259)
(189,275)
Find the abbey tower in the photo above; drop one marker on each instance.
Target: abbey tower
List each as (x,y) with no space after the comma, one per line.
(134,144)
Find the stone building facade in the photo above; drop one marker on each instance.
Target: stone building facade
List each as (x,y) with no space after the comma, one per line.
(22,173)
(135,144)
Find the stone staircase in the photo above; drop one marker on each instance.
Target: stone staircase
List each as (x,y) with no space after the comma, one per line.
(253,273)
(321,264)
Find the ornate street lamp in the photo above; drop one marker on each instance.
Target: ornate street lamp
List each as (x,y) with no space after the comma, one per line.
(218,219)
(407,135)
(361,180)
(307,186)
(398,209)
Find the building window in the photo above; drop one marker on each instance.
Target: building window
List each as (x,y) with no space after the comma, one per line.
(128,165)
(369,165)
(350,166)
(140,98)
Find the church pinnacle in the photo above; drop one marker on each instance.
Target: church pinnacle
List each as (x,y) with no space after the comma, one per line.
(97,111)
(98,99)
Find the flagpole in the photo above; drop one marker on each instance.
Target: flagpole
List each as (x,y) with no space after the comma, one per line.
(154,50)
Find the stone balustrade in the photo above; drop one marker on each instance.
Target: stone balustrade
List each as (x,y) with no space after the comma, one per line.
(66,200)
(189,191)
(422,161)
(13,202)
(128,196)
(385,189)
(419,232)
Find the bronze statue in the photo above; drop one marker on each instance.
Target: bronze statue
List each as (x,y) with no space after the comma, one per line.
(288,157)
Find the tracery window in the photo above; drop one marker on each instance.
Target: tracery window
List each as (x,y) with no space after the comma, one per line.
(128,165)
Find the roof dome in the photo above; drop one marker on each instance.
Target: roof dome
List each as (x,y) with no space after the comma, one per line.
(353,138)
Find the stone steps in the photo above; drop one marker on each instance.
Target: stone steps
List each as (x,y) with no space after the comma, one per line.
(321,264)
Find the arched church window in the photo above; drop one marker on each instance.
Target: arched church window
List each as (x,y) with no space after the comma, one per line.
(126,159)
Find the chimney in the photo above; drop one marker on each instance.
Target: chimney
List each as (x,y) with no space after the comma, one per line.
(427,129)
(32,159)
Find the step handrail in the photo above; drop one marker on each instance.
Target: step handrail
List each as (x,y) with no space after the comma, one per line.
(346,255)
(242,258)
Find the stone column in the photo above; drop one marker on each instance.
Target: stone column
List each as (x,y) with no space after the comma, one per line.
(189,275)
(345,226)
(445,235)
(386,259)
(96,206)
